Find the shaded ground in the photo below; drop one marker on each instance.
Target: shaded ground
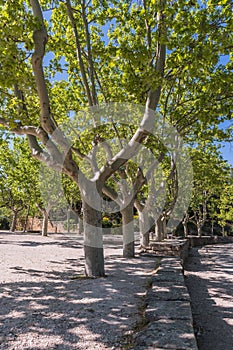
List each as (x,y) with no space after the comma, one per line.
(209,278)
(46,305)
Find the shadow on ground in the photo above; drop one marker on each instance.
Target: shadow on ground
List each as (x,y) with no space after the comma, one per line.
(60,309)
(209,278)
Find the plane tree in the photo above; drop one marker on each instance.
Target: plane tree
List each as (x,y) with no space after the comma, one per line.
(59,153)
(18,178)
(129,64)
(211,175)
(225,211)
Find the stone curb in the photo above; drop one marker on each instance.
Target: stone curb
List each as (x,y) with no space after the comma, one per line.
(168,317)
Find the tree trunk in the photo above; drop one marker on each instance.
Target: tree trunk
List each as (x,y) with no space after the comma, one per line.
(223,231)
(185,225)
(93,241)
(32,223)
(128,230)
(14,221)
(160,229)
(212,227)
(199,229)
(164,228)
(144,226)
(80,225)
(45,223)
(68,220)
(26,220)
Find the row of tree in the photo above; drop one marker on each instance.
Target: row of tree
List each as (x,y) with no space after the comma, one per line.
(60,57)
(30,190)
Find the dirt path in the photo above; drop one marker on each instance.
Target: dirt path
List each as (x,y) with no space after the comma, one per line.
(45,304)
(209,278)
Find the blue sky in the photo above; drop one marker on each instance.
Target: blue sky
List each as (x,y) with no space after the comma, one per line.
(227,151)
(227,147)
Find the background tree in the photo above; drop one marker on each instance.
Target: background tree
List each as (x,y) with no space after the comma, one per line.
(210,176)
(225,214)
(18,178)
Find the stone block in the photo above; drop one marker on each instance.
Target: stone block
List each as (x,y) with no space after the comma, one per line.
(174,277)
(171,266)
(167,334)
(174,310)
(168,291)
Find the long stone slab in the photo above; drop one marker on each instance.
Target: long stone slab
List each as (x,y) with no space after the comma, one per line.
(168,291)
(171,264)
(174,310)
(167,334)
(170,276)
(168,311)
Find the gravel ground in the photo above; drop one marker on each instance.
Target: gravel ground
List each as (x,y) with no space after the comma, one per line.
(46,303)
(209,278)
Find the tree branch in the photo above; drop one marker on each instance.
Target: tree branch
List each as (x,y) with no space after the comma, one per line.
(79,53)
(108,191)
(154,95)
(40,39)
(89,54)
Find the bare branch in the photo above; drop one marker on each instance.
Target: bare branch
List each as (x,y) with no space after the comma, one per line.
(7,93)
(148,29)
(169,210)
(128,151)
(33,132)
(105,145)
(101,87)
(108,191)
(154,95)
(79,154)
(89,54)
(79,53)
(117,132)
(40,39)
(46,119)
(19,129)
(139,181)
(39,154)
(138,205)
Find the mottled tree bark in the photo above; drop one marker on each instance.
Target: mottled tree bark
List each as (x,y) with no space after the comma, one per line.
(45,222)
(14,221)
(93,241)
(144,226)
(185,225)
(160,229)
(128,230)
